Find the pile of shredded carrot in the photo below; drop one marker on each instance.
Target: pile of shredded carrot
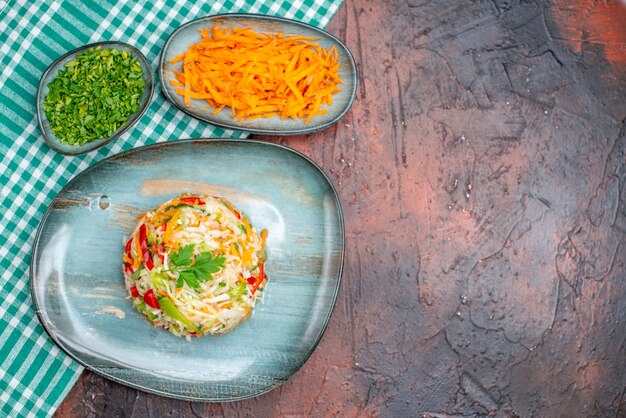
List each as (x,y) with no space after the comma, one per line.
(258,75)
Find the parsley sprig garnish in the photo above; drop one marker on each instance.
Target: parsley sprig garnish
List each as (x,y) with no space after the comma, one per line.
(194,269)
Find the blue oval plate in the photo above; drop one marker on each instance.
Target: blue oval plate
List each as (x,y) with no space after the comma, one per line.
(188,34)
(79,293)
(50,74)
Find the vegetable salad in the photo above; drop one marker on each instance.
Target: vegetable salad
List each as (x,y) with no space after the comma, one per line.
(195,266)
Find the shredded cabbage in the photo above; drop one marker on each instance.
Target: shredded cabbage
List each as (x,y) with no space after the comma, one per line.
(204,256)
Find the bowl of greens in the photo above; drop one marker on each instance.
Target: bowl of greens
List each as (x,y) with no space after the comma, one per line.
(92,95)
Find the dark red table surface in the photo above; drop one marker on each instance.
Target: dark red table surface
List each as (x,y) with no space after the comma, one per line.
(482,174)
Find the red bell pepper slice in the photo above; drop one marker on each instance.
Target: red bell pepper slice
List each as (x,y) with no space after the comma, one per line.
(259,278)
(134,292)
(128,268)
(251,280)
(192,200)
(130,241)
(143,243)
(151,300)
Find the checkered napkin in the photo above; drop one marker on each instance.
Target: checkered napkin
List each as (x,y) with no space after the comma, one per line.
(35,375)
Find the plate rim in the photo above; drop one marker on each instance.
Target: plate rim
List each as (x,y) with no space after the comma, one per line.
(300,131)
(211,141)
(105,141)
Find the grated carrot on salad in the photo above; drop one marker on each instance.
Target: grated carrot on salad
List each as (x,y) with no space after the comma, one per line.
(258,75)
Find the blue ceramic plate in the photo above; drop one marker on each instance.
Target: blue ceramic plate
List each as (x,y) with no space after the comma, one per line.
(50,74)
(188,34)
(79,292)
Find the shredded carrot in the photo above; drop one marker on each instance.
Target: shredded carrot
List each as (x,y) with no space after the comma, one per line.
(258,75)
(246,257)
(139,252)
(171,226)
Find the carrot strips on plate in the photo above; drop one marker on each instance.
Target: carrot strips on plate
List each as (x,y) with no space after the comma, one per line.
(258,75)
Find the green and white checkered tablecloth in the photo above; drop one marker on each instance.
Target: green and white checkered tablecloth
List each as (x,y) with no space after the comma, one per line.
(35,375)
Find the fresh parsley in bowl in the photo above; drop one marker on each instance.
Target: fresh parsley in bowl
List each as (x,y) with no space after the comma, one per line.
(91,95)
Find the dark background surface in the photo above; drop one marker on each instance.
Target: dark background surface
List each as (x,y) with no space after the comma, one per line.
(482,174)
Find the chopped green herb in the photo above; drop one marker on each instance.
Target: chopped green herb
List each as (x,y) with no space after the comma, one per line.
(221,284)
(93,95)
